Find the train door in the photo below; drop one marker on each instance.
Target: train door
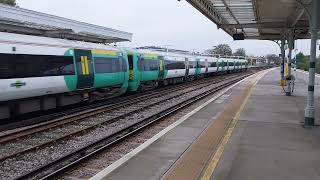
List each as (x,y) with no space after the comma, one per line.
(187,66)
(198,68)
(131,71)
(161,67)
(206,65)
(84,68)
(227,65)
(223,67)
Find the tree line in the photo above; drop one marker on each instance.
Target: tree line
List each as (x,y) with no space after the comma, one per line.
(225,50)
(302,62)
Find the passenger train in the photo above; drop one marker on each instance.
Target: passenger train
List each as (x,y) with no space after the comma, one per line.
(40,73)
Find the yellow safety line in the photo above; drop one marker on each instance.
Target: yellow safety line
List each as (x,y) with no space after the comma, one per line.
(215,159)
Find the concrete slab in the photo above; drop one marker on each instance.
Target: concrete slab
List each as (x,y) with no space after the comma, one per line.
(269,141)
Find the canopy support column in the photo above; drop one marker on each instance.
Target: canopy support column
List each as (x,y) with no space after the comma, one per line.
(290,45)
(283,57)
(309,119)
(310,109)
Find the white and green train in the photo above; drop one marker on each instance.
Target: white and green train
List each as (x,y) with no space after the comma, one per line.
(40,73)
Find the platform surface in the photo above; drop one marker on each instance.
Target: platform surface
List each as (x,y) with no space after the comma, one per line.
(268,141)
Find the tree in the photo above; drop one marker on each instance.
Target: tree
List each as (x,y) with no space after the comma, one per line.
(221,49)
(318,65)
(273,58)
(240,52)
(302,61)
(9,2)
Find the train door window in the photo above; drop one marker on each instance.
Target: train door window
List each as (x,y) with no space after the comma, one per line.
(130,60)
(186,63)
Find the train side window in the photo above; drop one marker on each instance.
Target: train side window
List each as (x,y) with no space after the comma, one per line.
(202,64)
(171,65)
(192,64)
(109,65)
(7,69)
(124,64)
(148,65)
(24,66)
(213,64)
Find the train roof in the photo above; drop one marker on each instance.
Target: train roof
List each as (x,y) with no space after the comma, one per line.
(187,55)
(161,53)
(37,41)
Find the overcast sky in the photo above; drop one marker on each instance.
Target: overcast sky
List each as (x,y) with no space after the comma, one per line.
(154,22)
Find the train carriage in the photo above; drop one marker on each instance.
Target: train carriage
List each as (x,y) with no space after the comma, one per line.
(145,69)
(208,64)
(39,73)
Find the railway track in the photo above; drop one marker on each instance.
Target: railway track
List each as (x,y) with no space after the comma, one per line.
(83,107)
(119,119)
(58,119)
(113,113)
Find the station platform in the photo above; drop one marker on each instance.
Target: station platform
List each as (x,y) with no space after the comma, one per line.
(249,131)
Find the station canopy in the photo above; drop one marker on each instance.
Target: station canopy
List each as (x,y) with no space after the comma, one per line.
(257,19)
(23,21)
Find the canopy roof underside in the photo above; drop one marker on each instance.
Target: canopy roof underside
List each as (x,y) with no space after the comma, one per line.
(23,21)
(257,19)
